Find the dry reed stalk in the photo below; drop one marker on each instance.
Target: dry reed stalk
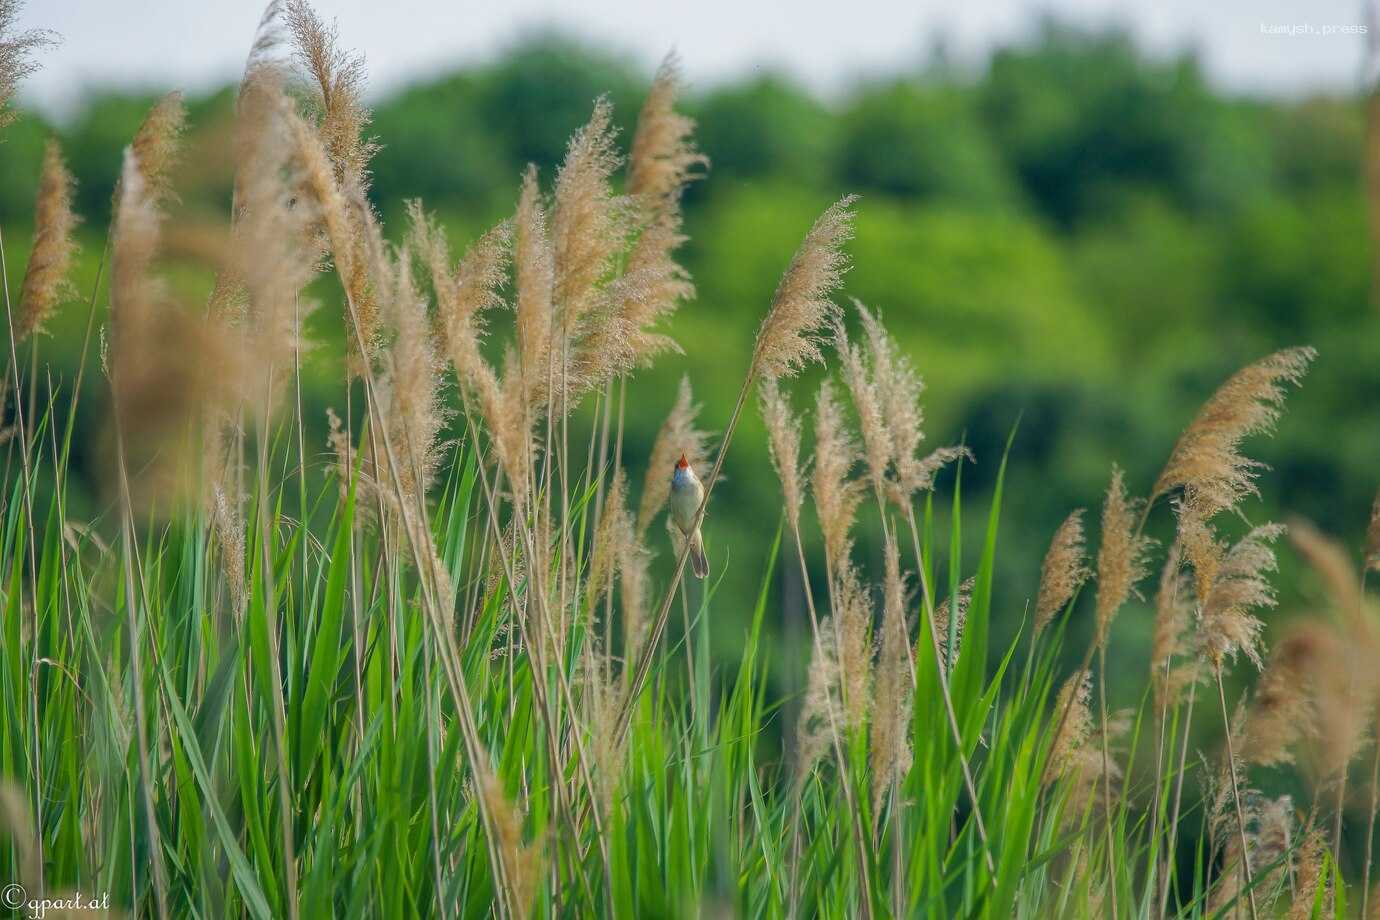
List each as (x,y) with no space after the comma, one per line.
(677,436)
(1063,571)
(46,281)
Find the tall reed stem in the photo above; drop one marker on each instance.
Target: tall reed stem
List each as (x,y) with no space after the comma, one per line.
(1235,791)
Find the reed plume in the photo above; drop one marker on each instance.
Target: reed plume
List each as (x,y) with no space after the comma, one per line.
(535,274)
(354,238)
(788,340)
(274,252)
(412,388)
(157,144)
(615,529)
(337,99)
(464,295)
(1239,584)
(1282,711)
(783,438)
(1172,635)
(821,710)
(1207,462)
(662,162)
(1312,882)
(16,55)
(1330,561)
(590,227)
(954,607)
(1121,555)
(1371,559)
(599,704)
(890,741)
(836,495)
(1063,572)
(898,387)
(166,366)
(859,377)
(1267,842)
(676,436)
(853,619)
(1076,754)
(46,281)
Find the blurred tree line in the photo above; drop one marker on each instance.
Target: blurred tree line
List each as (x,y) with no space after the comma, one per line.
(1076,233)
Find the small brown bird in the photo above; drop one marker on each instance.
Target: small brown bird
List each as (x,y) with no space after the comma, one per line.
(686,495)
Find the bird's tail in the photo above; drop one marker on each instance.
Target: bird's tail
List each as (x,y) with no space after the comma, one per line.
(698,563)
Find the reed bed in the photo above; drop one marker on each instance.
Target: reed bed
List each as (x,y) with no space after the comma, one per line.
(432,667)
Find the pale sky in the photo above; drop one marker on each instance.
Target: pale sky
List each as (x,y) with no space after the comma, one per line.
(195,44)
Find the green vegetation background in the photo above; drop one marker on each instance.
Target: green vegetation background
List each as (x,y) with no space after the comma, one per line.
(1075,234)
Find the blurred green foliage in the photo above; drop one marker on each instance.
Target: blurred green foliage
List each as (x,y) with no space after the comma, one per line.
(1077,234)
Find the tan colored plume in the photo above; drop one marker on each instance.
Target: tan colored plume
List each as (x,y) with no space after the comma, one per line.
(783,439)
(836,495)
(662,163)
(1064,570)
(16,55)
(46,280)
(337,78)
(788,340)
(157,144)
(1207,462)
(890,738)
(1121,562)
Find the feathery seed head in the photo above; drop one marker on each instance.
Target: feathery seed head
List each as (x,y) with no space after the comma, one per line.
(1330,561)
(854,618)
(890,745)
(337,78)
(46,280)
(783,434)
(821,711)
(836,496)
(1171,635)
(16,50)
(1206,462)
(157,144)
(862,386)
(1063,571)
(1372,554)
(1230,584)
(787,339)
(1121,562)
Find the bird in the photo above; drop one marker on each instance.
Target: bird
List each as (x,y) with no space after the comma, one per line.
(686,495)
